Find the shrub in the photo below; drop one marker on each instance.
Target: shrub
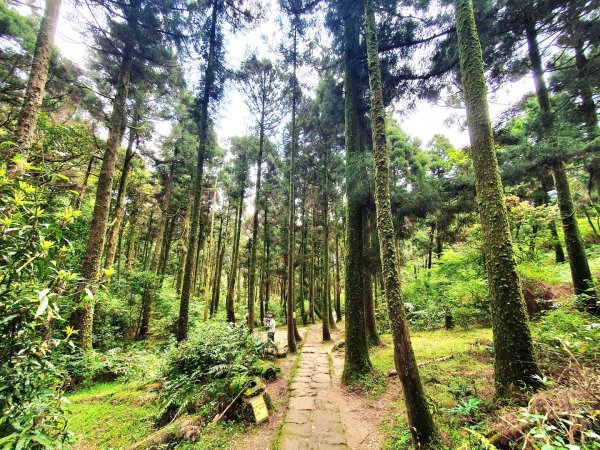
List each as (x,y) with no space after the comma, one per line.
(33,298)
(115,364)
(210,369)
(456,285)
(565,333)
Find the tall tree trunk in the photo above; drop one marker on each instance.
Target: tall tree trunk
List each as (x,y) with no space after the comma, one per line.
(583,282)
(357,360)
(83,316)
(267,268)
(36,84)
(209,77)
(291,247)
(419,417)
(119,210)
(303,239)
(254,243)
(312,278)
(338,287)
(216,292)
(229,303)
(328,321)
(430,247)
(590,116)
(515,363)
(164,254)
(184,246)
(558,250)
(326,291)
(588,106)
(210,250)
(131,241)
(370,321)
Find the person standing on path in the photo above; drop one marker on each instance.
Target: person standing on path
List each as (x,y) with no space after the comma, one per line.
(270,323)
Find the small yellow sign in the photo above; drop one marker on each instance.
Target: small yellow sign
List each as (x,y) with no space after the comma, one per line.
(259,408)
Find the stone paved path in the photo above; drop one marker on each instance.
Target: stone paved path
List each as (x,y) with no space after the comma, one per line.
(313,420)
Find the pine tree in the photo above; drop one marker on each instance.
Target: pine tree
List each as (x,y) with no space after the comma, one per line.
(262,86)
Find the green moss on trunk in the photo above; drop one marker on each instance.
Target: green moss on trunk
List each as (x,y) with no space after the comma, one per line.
(356,361)
(515,364)
(419,417)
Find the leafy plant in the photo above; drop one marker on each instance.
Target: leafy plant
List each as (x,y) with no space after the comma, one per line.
(33,298)
(466,408)
(210,369)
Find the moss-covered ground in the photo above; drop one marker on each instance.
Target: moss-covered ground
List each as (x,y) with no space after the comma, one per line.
(111,415)
(465,375)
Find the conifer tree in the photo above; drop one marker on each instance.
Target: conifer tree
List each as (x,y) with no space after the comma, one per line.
(419,416)
(357,360)
(262,86)
(515,364)
(38,75)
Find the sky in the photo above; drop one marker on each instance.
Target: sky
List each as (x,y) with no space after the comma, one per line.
(422,121)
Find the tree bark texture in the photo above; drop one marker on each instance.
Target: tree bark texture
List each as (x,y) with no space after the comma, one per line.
(291,244)
(583,283)
(515,363)
(83,316)
(356,362)
(36,84)
(419,417)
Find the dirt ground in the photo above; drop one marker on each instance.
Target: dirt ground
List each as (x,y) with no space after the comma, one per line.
(361,416)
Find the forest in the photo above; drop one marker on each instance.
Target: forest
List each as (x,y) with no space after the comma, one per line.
(299,224)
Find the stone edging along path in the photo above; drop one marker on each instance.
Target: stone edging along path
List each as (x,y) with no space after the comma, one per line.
(313,419)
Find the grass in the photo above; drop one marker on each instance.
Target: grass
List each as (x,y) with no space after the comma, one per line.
(468,374)
(216,437)
(110,415)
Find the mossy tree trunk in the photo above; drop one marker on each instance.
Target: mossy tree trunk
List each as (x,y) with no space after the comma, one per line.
(515,363)
(36,84)
(190,263)
(370,321)
(338,287)
(419,417)
(356,360)
(583,282)
(83,316)
(326,290)
(291,244)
